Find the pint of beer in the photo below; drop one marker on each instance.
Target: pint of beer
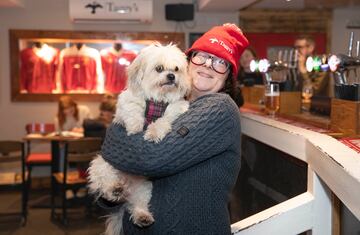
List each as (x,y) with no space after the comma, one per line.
(272,98)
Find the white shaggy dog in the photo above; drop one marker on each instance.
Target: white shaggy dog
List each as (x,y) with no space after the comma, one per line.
(158,73)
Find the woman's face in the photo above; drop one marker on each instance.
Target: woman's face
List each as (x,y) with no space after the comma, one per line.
(107,116)
(70,111)
(246,58)
(205,79)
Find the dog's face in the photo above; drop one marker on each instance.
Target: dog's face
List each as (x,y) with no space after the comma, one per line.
(160,73)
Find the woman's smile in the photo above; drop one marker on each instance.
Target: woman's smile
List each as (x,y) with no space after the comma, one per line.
(205,75)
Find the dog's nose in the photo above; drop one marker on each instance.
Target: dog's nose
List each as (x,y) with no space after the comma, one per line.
(170,77)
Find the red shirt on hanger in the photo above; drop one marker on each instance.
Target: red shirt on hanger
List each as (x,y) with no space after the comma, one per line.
(38,69)
(114,64)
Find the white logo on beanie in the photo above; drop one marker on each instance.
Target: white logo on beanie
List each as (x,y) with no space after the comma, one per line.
(213,40)
(221,43)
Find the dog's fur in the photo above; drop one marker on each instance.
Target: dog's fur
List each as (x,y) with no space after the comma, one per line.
(158,73)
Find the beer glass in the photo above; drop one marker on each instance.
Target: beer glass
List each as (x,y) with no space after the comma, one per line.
(307,93)
(272,98)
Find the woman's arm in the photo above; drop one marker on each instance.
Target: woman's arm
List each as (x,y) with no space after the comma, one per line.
(207,129)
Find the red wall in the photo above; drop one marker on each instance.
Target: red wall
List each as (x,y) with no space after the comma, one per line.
(261,41)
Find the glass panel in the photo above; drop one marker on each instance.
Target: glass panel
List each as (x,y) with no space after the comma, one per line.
(47,64)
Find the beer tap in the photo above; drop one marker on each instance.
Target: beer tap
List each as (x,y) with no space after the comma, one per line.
(317,63)
(341,64)
(266,67)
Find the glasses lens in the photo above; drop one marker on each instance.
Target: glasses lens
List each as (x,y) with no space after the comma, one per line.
(217,64)
(198,58)
(220,65)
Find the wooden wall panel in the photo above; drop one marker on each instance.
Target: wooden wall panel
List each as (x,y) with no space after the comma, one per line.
(281,21)
(287,21)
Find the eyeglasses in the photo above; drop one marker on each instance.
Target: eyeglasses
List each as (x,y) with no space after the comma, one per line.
(218,65)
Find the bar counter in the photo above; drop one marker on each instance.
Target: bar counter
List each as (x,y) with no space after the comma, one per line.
(333,169)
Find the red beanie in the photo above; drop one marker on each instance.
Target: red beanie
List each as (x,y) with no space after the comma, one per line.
(226,41)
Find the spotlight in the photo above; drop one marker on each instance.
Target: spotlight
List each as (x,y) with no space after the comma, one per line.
(254,65)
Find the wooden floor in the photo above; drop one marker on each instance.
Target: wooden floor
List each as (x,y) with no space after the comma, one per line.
(39,222)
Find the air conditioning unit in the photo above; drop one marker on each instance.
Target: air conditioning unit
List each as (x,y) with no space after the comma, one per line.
(119,11)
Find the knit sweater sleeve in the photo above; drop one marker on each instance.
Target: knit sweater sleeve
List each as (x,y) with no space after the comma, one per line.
(205,130)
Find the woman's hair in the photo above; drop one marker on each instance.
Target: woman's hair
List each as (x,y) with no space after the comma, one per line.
(64,103)
(108,103)
(308,38)
(252,51)
(231,87)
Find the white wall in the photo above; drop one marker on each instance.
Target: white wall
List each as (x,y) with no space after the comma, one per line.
(53,15)
(340,34)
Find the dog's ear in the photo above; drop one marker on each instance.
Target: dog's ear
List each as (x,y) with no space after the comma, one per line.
(135,73)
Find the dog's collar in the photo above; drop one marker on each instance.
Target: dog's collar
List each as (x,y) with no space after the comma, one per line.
(154,110)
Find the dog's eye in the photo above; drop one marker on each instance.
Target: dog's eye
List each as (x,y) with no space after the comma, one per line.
(159,68)
(176,69)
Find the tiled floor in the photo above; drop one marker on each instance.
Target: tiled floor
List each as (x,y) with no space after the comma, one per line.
(39,218)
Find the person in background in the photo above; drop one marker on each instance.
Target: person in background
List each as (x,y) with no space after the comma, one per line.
(194,168)
(319,81)
(70,115)
(246,76)
(97,127)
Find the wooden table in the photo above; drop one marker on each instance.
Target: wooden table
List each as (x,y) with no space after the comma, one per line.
(57,143)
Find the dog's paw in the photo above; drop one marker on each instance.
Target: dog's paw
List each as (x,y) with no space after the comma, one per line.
(156,131)
(119,191)
(183,106)
(134,128)
(142,218)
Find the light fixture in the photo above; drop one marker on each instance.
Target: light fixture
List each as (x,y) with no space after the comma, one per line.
(313,63)
(264,65)
(124,61)
(334,62)
(253,65)
(123,10)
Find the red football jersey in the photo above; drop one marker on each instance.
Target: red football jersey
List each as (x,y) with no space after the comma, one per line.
(80,70)
(38,69)
(114,64)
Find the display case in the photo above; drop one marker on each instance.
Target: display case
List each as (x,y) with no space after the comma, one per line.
(85,64)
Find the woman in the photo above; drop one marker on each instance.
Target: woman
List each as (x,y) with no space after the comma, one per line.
(97,127)
(194,168)
(70,115)
(246,76)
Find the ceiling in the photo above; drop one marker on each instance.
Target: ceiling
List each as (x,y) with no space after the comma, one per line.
(11,3)
(223,5)
(234,5)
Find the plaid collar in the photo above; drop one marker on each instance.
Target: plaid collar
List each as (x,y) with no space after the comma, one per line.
(153,111)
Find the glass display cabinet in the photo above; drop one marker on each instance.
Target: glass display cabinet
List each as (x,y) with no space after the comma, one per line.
(85,64)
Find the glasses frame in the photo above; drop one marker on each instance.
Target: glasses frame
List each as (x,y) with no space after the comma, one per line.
(228,65)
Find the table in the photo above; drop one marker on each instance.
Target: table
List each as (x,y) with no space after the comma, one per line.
(57,150)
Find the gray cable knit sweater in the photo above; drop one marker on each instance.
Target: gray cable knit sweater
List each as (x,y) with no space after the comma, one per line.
(193,169)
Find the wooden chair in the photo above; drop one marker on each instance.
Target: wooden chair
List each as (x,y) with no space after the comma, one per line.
(13,151)
(77,151)
(35,158)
